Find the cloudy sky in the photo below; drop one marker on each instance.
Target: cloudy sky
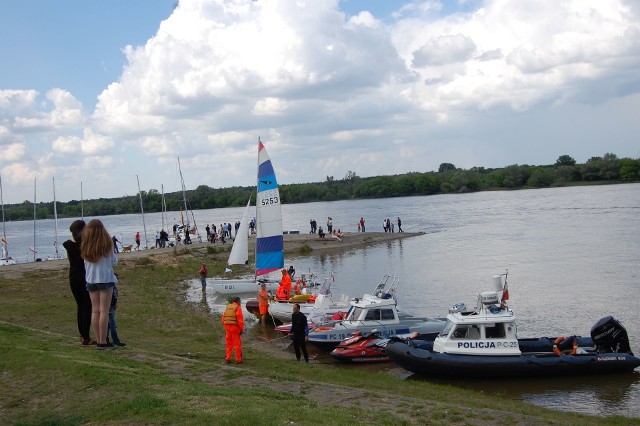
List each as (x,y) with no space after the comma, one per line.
(99,92)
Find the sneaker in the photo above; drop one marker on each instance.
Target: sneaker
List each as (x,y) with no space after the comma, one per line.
(120,345)
(87,342)
(228,361)
(103,346)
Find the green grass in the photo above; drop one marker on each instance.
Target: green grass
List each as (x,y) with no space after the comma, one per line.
(171,371)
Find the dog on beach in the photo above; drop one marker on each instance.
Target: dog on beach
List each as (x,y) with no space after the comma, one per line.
(126,248)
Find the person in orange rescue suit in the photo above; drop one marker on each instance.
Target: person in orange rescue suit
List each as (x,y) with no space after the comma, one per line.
(263,303)
(284,290)
(298,286)
(233,322)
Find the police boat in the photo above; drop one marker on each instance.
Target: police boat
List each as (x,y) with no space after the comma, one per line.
(484,343)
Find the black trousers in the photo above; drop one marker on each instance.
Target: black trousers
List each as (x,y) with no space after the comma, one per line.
(299,344)
(83,301)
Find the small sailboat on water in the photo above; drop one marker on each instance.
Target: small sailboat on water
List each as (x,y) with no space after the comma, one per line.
(57,254)
(269,240)
(5,260)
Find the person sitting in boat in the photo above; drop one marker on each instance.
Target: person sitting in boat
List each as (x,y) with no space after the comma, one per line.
(284,290)
(299,286)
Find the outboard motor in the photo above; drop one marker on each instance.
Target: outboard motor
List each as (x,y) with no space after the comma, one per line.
(609,336)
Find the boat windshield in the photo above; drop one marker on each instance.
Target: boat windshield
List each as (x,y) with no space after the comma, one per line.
(354,314)
(447,328)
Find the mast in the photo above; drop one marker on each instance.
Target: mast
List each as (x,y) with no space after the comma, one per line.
(81,203)
(34,219)
(163,208)
(55,216)
(184,193)
(5,252)
(255,225)
(144,226)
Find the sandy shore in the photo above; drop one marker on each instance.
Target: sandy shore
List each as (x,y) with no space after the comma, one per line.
(292,244)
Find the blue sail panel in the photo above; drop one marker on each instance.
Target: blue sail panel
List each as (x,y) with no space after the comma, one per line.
(269,244)
(269,240)
(268,262)
(267,182)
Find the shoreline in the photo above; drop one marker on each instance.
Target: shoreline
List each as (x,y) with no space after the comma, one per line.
(293,243)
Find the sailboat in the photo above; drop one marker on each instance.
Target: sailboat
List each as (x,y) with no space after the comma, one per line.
(5,260)
(55,215)
(269,239)
(182,229)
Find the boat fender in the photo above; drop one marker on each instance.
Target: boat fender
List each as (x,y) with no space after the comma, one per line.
(338,316)
(559,340)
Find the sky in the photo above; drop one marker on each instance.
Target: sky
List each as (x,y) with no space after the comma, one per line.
(101,95)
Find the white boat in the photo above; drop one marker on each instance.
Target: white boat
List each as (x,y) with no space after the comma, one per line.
(377,311)
(57,255)
(269,240)
(5,260)
(320,309)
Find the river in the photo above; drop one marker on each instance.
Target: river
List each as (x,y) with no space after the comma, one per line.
(572,256)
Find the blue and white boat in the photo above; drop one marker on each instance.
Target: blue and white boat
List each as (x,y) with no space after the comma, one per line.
(269,236)
(378,311)
(484,343)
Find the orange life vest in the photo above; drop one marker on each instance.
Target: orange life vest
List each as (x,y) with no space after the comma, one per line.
(229,316)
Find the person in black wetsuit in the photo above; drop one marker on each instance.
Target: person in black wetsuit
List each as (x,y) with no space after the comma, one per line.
(300,332)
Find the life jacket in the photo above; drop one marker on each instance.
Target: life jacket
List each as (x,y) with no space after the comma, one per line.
(282,293)
(229,316)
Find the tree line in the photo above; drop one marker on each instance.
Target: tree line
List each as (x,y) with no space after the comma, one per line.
(448,179)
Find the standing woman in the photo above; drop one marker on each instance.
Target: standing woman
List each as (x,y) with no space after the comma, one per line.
(78,283)
(99,260)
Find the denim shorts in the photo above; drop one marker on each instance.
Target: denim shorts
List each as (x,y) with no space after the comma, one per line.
(99,286)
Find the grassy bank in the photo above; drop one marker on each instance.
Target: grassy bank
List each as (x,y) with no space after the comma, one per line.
(172,371)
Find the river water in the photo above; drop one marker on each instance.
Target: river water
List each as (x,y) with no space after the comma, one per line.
(571,253)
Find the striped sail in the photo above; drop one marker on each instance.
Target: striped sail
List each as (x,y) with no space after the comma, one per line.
(269,240)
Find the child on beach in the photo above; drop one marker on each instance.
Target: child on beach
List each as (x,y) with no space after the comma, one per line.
(113,326)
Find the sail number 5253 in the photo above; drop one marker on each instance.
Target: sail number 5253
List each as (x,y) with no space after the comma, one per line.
(270,200)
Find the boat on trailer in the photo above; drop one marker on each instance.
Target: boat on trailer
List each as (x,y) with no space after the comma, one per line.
(484,343)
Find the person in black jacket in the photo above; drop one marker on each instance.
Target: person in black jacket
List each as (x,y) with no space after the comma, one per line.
(77,281)
(300,332)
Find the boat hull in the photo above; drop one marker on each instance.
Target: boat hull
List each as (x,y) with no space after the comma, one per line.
(327,338)
(422,360)
(239,286)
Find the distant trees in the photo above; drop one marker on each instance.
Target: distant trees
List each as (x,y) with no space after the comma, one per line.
(448,179)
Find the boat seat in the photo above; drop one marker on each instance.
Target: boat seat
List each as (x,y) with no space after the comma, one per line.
(473,332)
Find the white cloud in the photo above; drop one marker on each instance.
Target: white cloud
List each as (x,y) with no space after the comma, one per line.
(329,94)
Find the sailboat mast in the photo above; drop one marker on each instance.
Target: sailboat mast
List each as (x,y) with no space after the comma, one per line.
(144,226)
(255,225)
(5,252)
(184,192)
(55,216)
(163,208)
(34,219)
(81,203)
